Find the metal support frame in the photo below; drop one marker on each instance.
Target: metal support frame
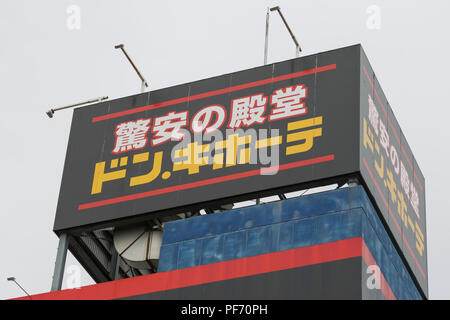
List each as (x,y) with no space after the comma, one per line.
(353,182)
(60,263)
(266,43)
(143,81)
(13,279)
(298,49)
(87,251)
(114,265)
(282,196)
(51,112)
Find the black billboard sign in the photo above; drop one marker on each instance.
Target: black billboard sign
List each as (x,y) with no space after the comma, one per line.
(251,131)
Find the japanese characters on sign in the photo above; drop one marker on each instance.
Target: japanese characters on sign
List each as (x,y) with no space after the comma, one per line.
(245,111)
(391,174)
(398,166)
(235,136)
(236,147)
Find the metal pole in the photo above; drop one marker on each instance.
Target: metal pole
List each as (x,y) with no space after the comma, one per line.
(14,280)
(144,82)
(114,265)
(60,263)
(266,43)
(297,46)
(52,111)
(353,182)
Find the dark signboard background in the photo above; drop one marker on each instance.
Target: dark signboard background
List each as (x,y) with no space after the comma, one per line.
(102,183)
(392,175)
(331,116)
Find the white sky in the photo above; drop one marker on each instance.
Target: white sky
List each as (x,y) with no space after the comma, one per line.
(44,64)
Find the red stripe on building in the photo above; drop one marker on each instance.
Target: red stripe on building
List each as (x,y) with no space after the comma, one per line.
(205,182)
(214,93)
(220,271)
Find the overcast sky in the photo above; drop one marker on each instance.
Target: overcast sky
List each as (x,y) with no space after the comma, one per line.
(46,61)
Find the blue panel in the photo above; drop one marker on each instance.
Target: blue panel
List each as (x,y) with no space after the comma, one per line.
(321,203)
(212,249)
(189,253)
(337,226)
(186,256)
(256,216)
(390,262)
(259,241)
(282,225)
(168,257)
(234,244)
(305,233)
(286,236)
(275,232)
(391,274)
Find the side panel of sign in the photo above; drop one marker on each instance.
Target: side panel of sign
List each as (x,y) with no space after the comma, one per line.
(392,174)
